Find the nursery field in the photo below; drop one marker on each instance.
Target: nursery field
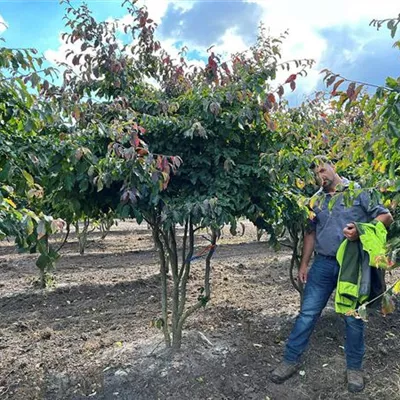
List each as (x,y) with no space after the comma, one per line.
(91,336)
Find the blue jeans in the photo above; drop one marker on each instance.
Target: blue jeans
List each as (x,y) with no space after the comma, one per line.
(321,282)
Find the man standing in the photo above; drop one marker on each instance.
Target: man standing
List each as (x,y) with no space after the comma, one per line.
(327,231)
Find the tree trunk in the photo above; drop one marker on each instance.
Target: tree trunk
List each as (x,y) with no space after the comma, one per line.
(173,262)
(43,280)
(294,262)
(164,288)
(82,236)
(43,271)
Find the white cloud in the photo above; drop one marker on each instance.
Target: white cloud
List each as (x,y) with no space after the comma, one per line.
(306,18)
(316,13)
(3,25)
(230,43)
(158,8)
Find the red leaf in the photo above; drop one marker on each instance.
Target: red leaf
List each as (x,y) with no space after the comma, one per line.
(136,141)
(75,60)
(157,46)
(336,85)
(330,80)
(291,78)
(211,63)
(164,163)
(292,85)
(225,67)
(142,21)
(159,162)
(350,90)
(271,98)
(142,152)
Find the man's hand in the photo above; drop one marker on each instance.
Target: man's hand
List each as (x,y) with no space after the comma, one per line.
(302,275)
(351,232)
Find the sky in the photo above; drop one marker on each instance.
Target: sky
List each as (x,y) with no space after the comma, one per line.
(336,34)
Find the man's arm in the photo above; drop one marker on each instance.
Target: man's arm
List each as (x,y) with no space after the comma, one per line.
(308,248)
(350,231)
(386,219)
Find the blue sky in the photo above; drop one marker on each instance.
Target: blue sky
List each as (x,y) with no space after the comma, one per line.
(335,34)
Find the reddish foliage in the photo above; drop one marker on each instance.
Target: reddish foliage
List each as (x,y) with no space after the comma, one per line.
(271,98)
(225,67)
(351,91)
(291,78)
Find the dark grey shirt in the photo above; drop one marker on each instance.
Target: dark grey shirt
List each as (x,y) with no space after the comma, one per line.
(329,224)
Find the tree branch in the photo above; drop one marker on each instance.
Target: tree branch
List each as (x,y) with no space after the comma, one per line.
(183,283)
(185,234)
(207,288)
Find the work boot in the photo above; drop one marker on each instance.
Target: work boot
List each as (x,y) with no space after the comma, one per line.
(355,380)
(284,371)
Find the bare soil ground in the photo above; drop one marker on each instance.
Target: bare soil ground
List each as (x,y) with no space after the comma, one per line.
(91,335)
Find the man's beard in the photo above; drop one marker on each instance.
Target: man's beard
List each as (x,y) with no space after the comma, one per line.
(327,184)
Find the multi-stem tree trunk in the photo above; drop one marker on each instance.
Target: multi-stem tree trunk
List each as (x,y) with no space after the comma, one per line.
(166,244)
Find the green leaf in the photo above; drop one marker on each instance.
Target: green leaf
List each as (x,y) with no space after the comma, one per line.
(394,128)
(396,288)
(29,178)
(91,170)
(43,261)
(392,83)
(332,202)
(29,226)
(41,229)
(100,184)
(4,173)
(29,126)
(380,92)
(84,185)
(69,181)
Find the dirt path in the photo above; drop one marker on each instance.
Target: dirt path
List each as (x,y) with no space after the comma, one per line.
(91,336)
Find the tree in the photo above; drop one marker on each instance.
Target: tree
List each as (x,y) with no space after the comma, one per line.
(205,131)
(22,116)
(363,137)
